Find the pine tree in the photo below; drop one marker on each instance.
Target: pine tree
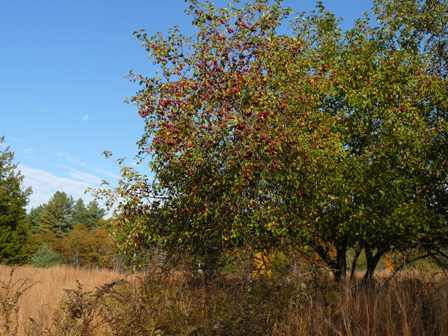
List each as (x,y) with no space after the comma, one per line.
(89,215)
(80,214)
(34,218)
(95,214)
(56,217)
(13,200)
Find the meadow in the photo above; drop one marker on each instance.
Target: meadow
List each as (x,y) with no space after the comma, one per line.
(46,287)
(69,301)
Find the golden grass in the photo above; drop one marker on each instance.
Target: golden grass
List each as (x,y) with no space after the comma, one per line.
(413,303)
(40,301)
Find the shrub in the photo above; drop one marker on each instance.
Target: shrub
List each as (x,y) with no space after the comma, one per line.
(87,247)
(46,257)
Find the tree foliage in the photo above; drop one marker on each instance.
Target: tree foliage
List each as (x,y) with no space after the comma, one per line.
(69,231)
(89,215)
(57,215)
(61,213)
(46,257)
(87,247)
(13,200)
(318,138)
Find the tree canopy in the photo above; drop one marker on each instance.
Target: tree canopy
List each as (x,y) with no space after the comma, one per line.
(318,138)
(61,213)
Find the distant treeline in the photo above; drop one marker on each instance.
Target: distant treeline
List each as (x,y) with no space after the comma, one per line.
(63,230)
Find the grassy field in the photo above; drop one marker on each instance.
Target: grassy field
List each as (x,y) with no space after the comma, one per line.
(412,304)
(47,288)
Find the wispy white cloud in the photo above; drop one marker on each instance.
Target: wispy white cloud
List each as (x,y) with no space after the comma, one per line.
(84,177)
(71,159)
(45,184)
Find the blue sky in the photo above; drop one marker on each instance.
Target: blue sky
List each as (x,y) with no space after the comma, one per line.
(62,82)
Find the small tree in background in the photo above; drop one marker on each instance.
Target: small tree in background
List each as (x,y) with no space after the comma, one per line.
(87,247)
(79,213)
(57,215)
(90,215)
(95,214)
(33,218)
(46,257)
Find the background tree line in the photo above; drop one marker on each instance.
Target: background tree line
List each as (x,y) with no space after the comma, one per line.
(63,230)
(70,231)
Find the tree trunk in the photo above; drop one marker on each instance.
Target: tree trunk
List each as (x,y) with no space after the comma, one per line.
(340,270)
(354,262)
(338,265)
(211,264)
(372,262)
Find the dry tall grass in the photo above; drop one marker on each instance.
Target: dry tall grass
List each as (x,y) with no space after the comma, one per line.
(412,304)
(41,300)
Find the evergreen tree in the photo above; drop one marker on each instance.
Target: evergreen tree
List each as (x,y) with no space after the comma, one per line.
(89,215)
(80,213)
(13,199)
(57,215)
(95,214)
(34,217)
